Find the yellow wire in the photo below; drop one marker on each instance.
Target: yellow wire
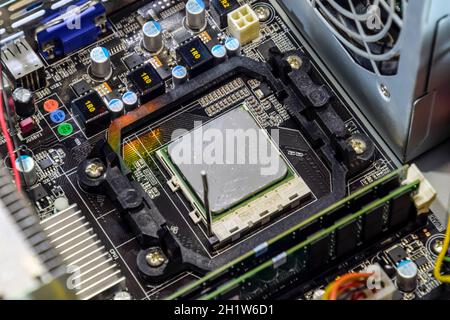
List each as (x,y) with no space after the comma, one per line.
(437,267)
(441,257)
(328,291)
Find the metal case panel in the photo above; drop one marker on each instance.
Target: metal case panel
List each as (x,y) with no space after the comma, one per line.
(414,116)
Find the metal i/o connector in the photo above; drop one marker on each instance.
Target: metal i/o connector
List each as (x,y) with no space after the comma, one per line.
(23,65)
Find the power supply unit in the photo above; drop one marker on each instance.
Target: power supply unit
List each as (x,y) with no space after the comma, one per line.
(393,58)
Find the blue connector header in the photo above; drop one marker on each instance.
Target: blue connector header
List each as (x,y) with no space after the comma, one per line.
(71,29)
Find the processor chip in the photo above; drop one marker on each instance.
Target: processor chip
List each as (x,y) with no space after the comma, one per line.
(248,178)
(230,183)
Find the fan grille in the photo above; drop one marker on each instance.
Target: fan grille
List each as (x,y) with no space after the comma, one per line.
(368,29)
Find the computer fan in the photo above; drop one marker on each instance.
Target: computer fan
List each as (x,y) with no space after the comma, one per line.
(392,56)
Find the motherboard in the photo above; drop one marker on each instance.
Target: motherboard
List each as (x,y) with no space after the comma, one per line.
(108,116)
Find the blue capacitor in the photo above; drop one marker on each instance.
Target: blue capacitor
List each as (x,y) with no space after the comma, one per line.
(27,167)
(179,75)
(130,100)
(195,14)
(219,53)
(233,46)
(152,36)
(100,62)
(116,108)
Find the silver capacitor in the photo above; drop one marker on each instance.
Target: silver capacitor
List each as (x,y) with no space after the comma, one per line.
(152,37)
(27,169)
(130,101)
(407,273)
(233,47)
(116,108)
(101,63)
(195,14)
(219,52)
(179,75)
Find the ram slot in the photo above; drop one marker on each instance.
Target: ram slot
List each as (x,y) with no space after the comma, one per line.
(300,232)
(318,251)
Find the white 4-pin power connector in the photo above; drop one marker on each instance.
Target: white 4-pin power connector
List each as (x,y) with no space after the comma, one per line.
(243,24)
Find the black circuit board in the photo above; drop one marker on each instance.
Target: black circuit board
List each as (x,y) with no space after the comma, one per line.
(419,246)
(59,155)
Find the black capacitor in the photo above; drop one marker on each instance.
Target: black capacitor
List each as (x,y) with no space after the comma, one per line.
(23,102)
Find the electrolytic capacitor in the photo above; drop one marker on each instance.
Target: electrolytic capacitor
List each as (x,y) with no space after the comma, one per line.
(152,37)
(100,63)
(23,102)
(233,46)
(195,14)
(130,100)
(27,168)
(116,108)
(407,273)
(179,75)
(219,53)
